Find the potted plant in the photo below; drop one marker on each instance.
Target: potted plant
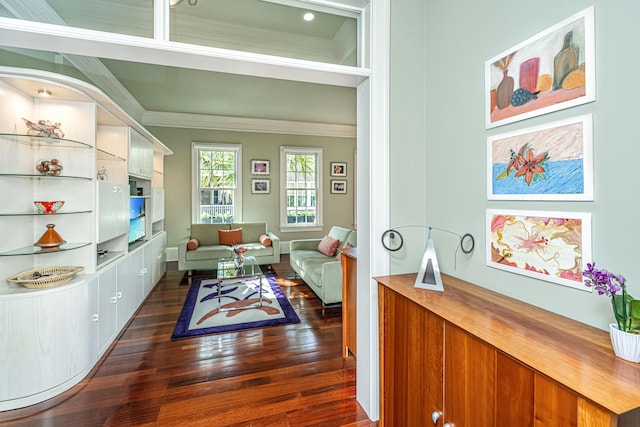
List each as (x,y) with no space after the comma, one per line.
(625,332)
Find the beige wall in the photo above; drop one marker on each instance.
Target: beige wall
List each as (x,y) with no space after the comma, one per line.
(338,208)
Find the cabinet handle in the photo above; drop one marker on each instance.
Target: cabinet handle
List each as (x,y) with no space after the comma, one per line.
(115,189)
(448,425)
(144,271)
(141,272)
(95,318)
(114,300)
(119,295)
(435,416)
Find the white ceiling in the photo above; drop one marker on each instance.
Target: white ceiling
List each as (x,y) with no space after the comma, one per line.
(175,89)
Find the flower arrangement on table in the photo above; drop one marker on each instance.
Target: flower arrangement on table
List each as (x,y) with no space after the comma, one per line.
(626,309)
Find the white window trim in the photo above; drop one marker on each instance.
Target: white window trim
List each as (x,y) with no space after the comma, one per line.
(284,226)
(195,189)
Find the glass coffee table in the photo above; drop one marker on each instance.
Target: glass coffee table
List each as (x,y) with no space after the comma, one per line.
(229,271)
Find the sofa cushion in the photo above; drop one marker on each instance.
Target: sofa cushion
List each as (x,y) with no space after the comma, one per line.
(251,231)
(340,233)
(209,253)
(312,267)
(230,237)
(258,249)
(328,246)
(207,234)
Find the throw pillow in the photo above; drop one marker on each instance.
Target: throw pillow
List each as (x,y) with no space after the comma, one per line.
(230,237)
(193,244)
(346,246)
(328,246)
(265,240)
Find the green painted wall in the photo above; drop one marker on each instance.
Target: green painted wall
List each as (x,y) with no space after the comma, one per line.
(460,37)
(338,208)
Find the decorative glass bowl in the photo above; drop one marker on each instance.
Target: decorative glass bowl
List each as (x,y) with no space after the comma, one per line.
(48,207)
(51,167)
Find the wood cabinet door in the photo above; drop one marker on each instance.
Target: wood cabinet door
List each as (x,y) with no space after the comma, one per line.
(410,361)
(470,380)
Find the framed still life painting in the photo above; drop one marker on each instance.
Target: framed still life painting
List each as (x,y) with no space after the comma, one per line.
(553,161)
(550,71)
(550,246)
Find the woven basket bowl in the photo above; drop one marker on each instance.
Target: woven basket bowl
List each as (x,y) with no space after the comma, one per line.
(45,277)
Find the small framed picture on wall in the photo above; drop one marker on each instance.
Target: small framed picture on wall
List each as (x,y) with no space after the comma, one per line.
(338,186)
(338,169)
(260,167)
(260,186)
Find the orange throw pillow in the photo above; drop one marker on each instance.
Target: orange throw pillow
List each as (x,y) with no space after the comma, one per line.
(328,246)
(265,240)
(230,237)
(193,244)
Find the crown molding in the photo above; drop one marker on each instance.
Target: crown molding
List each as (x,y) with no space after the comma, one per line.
(246,124)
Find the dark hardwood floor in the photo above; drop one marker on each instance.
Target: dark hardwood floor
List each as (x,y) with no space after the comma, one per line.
(292,375)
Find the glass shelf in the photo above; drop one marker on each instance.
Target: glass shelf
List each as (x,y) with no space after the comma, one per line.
(105,155)
(35,250)
(43,141)
(26,175)
(36,213)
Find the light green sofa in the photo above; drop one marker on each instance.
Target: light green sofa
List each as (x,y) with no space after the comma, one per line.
(322,273)
(209,251)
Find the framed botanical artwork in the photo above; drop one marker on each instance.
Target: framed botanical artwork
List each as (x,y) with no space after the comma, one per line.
(260,186)
(551,246)
(553,161)
(260,167)
(550,71)
(338,169)
(338,186)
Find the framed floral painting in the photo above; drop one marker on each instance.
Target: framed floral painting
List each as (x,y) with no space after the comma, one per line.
(553,70)
(547,162)
(550,246)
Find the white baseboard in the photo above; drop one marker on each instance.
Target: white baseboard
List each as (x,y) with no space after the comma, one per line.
(172,254)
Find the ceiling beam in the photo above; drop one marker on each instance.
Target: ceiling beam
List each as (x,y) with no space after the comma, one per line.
(245,124)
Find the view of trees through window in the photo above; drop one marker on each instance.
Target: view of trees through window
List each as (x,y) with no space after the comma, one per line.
(301,188)
(217,184)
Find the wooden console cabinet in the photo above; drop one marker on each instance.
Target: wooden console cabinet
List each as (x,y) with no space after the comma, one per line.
(349,260)
(471,357)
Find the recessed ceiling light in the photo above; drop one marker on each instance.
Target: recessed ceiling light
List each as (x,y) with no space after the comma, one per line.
(308,16)
(44,93)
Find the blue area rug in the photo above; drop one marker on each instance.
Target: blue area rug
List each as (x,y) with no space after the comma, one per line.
(200,314)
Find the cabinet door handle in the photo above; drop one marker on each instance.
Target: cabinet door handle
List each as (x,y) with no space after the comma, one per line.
(435,416)
(144,271)
(141,272)
(95,318)
(114,300)
(119,295)
(115,189)
(448,425)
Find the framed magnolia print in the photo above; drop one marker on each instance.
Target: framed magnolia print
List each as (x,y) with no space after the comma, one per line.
(260,186)
(338,186)
(338,169)
(549,162)
(260,167)
(550,246)
(550,71)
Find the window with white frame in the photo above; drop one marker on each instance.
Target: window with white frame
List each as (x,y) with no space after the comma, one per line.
(217,195)
(301,189)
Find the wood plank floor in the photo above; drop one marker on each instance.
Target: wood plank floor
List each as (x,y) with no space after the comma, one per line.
(291,375)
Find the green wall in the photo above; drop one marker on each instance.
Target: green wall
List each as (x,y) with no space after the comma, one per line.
(338,208)
(450,181)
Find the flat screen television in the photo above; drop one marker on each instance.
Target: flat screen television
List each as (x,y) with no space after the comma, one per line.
(137,217)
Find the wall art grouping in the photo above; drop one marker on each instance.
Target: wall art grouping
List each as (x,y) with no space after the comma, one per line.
(545,245)
(550,71)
